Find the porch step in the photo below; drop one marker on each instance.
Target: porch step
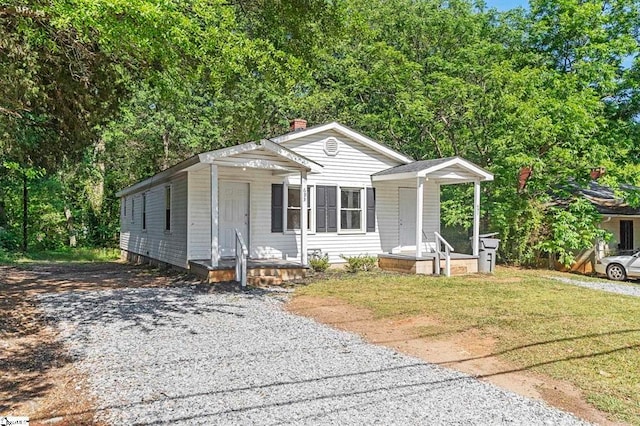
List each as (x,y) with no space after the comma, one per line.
(267,274)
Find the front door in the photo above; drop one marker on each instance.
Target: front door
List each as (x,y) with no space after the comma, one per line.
(233,213)
(407,216)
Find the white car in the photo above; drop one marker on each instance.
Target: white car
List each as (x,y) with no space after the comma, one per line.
(619,268)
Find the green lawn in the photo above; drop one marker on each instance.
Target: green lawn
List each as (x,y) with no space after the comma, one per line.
(587,337)
(65,255)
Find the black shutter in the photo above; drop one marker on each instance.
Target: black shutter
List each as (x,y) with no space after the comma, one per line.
(371,209)
(277,200)
(332,209)
(326,209)
(321,209)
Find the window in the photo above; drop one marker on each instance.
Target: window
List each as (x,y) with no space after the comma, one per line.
(133,210)
(293,208)
(167,208)
(350,208)
(124,206)
(144,212)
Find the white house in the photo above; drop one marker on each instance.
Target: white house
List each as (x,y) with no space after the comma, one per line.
(325,189)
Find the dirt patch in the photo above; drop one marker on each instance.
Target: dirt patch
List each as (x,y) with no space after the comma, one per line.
(468,351)
(39,379)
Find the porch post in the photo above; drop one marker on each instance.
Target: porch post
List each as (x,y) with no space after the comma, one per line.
(419,207)
(215,253)
(476,217)
(304,202)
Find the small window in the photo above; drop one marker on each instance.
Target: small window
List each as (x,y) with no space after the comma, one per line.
(294,206)
(350,208)
(144,212)
(167,208)
(124,206)
(133,210)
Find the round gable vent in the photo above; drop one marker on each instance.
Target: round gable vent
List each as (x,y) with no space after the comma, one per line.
(331,146)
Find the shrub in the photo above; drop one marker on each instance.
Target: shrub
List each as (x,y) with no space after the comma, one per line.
(360,263)
(319,263)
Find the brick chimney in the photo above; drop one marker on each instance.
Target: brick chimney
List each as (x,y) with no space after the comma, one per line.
(523,177)
(596,172)
(297,124)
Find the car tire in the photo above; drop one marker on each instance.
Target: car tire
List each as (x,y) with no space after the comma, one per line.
(616,272)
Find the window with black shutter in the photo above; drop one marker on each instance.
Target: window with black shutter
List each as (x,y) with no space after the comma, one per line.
(277,201)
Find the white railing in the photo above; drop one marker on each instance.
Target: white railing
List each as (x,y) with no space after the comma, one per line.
(447,255)
(241,259)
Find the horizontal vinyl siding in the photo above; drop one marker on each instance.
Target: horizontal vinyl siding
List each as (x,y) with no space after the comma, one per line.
(387,199)
(200,214)
(154,242)
(351,167)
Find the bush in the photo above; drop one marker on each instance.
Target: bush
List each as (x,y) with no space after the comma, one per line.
(319,263)
(360,263)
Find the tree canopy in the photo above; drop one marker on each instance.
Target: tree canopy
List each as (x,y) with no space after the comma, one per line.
(100,93)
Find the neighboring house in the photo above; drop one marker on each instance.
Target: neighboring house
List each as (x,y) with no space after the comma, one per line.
(618,218)
(325,189)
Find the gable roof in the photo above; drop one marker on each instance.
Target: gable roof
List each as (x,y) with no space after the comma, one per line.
(344,130)
(290,161)
(425,167)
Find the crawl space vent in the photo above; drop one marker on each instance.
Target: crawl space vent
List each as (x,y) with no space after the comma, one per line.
(331,146)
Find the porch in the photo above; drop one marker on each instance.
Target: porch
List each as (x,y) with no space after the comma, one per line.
(411,237)
(460,263)
(259,271)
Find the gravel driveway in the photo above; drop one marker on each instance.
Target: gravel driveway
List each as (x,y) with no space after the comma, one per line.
(610,287)
(181,356)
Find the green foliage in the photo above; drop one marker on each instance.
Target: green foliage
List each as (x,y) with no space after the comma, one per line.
(77,255)
(319,263)
(102,93)
(360,263)
(570,229)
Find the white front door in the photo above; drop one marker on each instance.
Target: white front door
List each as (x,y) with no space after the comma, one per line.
(407,217)
(233,213)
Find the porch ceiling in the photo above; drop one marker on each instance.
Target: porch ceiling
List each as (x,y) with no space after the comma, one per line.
(444,170)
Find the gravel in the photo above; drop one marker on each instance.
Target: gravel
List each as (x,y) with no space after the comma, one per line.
(628,290)
(181,356)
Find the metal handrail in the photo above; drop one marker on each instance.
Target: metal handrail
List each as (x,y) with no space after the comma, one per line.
(241,259)
(447,254)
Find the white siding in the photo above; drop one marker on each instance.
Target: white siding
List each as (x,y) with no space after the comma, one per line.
(387,194)
(613,226)
(154,241)
(200,214)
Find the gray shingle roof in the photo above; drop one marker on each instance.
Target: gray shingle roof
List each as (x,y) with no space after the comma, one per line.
(416,166)
(605,200)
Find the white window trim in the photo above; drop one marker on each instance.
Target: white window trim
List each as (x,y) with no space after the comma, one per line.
(363,194)
(311,202)
(170,230)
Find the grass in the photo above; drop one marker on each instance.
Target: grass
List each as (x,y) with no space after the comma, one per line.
(587,337)
(76,255)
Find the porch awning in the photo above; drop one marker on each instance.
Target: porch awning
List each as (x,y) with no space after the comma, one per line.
(447,170)
(263,154)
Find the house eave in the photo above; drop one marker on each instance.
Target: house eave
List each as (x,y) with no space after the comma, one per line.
(370,143)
